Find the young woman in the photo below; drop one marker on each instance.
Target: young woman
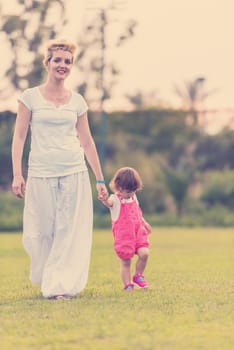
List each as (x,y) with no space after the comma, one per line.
(58,213)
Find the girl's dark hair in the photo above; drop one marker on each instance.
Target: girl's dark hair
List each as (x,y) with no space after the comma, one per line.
(126,179)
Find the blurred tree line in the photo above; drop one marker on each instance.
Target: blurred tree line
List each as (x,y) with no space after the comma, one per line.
(188,174)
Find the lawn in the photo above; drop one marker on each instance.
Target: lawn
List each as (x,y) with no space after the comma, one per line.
(189,305)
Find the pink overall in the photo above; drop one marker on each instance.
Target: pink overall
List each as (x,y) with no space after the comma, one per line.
(129,231)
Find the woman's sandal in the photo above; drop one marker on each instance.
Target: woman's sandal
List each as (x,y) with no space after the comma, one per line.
(61,297)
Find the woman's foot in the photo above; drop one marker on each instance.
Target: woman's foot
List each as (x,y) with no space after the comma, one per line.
(61,297)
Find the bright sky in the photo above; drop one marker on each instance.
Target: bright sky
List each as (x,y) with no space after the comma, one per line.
(175,40)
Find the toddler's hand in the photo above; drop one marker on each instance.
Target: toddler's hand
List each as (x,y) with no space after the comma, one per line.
(148,227)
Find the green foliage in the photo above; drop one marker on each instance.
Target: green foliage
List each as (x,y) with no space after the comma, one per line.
(216,151)
(168,156)
(178,182)
(11,209)
(219,188)
(156,130)
(7,120)
(217,216)
(192,94)
(188,304)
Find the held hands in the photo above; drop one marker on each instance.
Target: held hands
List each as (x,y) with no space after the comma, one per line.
(102,191)
(18,186)
(103,195)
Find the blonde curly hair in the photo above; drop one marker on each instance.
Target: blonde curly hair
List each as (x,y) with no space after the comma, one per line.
(58,44)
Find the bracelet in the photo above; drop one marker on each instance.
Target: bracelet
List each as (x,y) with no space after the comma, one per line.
(100,182)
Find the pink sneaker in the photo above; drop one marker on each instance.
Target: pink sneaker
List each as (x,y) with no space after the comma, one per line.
(139,280)
(129,287)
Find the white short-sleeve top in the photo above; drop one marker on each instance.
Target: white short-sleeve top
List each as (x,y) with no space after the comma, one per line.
(55,148)
(115,209)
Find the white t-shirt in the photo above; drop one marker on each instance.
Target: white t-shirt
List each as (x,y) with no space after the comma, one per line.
(115,209)
(55,148)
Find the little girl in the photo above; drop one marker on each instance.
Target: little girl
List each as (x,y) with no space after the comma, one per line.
(130,230)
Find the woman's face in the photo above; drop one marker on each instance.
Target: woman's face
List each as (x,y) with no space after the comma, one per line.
(60,64)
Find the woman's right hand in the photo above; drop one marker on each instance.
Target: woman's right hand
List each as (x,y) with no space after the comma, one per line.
(18,186)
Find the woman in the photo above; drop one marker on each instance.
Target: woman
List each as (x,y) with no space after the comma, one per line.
(58,213)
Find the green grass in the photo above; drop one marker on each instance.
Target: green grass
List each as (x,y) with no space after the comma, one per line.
(189,304)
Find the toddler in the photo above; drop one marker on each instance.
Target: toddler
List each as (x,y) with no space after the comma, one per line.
(130,230)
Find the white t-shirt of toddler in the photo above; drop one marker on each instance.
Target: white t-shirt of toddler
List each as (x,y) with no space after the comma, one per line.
(115,209)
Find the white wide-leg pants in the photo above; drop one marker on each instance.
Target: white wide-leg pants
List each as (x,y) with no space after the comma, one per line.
(57,232)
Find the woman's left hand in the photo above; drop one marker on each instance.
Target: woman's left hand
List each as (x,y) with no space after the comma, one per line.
(102,191)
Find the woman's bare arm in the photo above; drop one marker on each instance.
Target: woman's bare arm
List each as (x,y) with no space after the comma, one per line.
(19,137)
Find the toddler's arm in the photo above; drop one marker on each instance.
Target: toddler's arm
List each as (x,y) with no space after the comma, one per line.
(108,202)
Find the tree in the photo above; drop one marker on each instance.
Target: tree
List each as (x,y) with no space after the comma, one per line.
(36,21)
(7,120)
(97,74)
(140,100)
(178,183)
(193,94)
(24,32)
(219,189)
(215,151)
